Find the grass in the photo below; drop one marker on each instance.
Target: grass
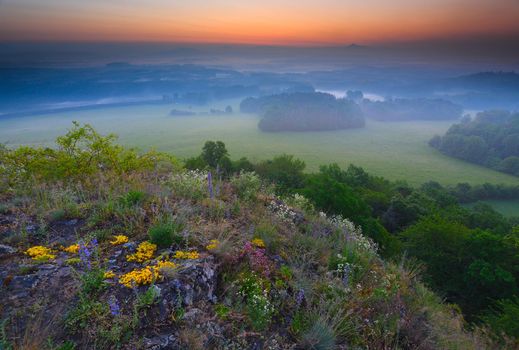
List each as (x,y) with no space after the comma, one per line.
(397,151)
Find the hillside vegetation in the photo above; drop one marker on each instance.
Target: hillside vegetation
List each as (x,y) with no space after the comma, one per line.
(103,247)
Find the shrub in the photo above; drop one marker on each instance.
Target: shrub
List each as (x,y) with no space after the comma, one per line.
(165,233)
(215,208)
(247,185)
(132,198)
(504,317)
(254,290)
(320,336)
(190,184)
(79,155)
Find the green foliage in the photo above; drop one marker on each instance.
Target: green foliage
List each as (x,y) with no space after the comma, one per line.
(4,342)
(190,184)
(259,308)
(247,185)
(92,282)
(165,233)
(320,336)
(133,198)
(298,112)
(491,139)
(334,197)
(80,154)
(222,311)
(503,317)
(146,299)
(213,153)
(87,311)
(471,267)
(268,233)
(285,171)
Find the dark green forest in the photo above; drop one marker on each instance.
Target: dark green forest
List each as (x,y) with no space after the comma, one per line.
(491,139)
(304,112)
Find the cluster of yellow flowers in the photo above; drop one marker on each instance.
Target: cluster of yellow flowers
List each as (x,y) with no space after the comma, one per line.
(73,249)
(40,253)
(108,275)
(145,275)
(165,265)
(186,255)
(139,277)
(213,244)
(258,242)
(144,252)
(119,239)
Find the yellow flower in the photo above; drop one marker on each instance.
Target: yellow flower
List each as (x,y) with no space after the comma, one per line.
(258,242)
(145,275)
(213,244)
(166,265)
(139,277)
(186,255)
(40,253)
(73,249)
(119,239)
(108,274)
(144,252)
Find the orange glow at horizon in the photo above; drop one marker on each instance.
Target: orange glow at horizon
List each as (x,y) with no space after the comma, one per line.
(256,22)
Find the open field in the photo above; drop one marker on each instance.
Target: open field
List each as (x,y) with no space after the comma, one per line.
(397,151)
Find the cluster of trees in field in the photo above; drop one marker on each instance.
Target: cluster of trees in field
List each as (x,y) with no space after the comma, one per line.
(316,111)
(401,109)
(491,139)
(469,256)
(304,111)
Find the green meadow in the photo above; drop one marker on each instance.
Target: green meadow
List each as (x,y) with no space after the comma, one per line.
(397,151)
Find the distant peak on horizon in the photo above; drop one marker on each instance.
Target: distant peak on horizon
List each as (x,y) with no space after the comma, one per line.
(356,46)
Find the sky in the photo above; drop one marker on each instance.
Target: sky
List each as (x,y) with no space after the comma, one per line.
(268,22)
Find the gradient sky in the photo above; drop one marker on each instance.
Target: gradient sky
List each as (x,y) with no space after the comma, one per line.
(257,21)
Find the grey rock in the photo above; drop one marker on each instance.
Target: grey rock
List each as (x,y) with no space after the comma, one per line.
(24,282)
(160,342)
(6,250)
(71,222)
(192,314)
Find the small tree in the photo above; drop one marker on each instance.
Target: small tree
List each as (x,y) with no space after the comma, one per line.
(214,152)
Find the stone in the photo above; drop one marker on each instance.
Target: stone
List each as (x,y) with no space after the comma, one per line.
(71,222)
(6,250)
(192,314)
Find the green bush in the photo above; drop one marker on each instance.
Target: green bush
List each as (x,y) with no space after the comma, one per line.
(247,185)
(166,233)
(80,154)
(133,198)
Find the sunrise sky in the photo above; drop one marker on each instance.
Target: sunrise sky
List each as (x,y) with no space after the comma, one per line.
(257,21)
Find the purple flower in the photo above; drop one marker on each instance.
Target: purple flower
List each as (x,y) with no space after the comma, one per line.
(115,310)
(300,297)
(210,184)
(84,254)
(176,283)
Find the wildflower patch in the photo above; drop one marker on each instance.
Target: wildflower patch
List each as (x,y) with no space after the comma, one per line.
(119,239)
(40,253)
(145,251)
